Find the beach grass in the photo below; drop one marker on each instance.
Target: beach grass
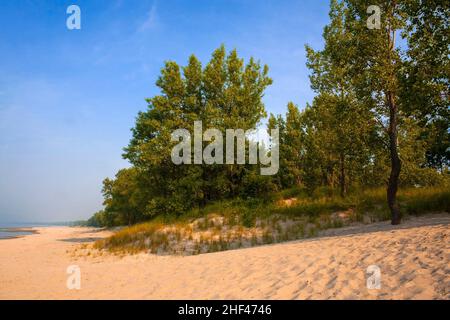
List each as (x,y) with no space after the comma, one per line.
(288,215)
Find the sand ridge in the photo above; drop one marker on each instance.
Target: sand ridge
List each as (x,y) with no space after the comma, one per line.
(413,259)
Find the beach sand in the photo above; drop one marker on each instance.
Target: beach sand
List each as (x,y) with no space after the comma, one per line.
(413,259)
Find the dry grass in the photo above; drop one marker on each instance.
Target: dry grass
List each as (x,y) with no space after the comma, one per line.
(237,224)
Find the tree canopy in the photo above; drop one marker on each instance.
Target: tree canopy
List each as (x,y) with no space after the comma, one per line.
(380,117)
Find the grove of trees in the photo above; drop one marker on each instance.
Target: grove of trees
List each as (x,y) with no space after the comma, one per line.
(380,117)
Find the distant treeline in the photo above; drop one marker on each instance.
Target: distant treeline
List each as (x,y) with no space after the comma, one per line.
(380,118)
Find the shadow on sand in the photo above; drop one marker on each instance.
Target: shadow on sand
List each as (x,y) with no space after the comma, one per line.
(81,240)
(412,222)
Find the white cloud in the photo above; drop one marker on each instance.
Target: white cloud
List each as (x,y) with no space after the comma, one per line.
(151,19)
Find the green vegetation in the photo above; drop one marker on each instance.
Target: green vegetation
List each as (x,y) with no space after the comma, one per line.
(380,118)
(244,223)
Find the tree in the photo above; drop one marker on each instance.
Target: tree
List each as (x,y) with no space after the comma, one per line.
(385,74)
(379,67)
(125,196)
(344,123)
(290,172)
(427,76)
(226,94)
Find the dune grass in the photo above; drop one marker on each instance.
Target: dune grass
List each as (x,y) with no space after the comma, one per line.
(288,215)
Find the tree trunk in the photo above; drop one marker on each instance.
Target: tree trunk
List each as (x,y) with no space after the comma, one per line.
(395,162)
(342,175)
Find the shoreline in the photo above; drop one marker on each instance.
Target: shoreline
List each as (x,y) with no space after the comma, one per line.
(12,230)
(413,259)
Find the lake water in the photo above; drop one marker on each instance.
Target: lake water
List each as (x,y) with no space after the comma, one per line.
(7,230)
(6,234)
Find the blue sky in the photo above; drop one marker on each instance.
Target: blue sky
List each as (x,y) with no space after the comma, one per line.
(68,98)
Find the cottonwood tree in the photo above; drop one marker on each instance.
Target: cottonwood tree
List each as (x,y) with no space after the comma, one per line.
(427,75)
(387,76)
(225,94)
(291,147)
(344,123)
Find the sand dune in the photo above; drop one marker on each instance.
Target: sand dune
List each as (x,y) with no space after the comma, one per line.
(413,260)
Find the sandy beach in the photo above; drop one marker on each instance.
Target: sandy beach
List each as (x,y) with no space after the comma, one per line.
(413,260)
